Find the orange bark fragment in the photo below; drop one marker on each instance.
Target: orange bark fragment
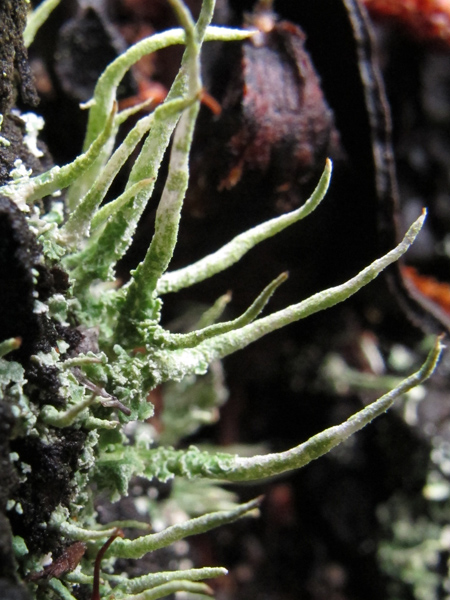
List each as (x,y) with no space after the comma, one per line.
(429,20)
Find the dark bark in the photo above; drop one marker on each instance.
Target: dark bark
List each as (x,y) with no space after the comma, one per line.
(14,56)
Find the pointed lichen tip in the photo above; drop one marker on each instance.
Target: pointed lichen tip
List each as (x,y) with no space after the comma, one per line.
(418,224)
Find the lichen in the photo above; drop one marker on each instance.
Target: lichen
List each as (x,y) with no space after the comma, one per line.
(79,379)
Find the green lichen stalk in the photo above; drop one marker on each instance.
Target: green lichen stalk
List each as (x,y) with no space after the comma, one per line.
(112,349)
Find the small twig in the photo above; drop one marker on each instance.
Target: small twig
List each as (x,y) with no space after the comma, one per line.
(107,400)
(96,587)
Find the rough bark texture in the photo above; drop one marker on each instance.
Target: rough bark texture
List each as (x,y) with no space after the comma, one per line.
(14,56)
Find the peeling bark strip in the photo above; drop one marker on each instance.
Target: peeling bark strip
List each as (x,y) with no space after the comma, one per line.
(13,55)
(418,307)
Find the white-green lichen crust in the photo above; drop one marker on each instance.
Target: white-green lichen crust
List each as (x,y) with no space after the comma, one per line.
(107,386)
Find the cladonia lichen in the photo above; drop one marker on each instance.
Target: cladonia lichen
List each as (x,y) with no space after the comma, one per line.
(104,376)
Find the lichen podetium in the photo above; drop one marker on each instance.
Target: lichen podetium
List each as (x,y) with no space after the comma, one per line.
(75,397)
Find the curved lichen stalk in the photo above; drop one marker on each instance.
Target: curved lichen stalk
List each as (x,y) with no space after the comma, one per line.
(193,463)
(130,353)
